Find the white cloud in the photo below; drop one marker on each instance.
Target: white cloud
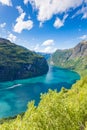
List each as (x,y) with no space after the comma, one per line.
(2,25)
(20,10)
(41,24)
(82,11)
(45,49)
(6,2)
(21,24)
(12,37)
(47,46)
(49,49)
(59,23)
(48,8)
(26,1)
(85,15)
(48,42)
(85,1)
(84,37)
(37,47)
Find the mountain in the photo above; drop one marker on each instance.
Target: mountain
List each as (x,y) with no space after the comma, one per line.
(17,62)
(74,58)
(45,55)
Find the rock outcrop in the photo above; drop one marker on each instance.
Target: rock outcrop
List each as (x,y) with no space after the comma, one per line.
(74,58)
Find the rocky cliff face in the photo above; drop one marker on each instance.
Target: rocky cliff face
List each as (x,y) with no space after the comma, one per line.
(17,62)
(80,50)
(75,58)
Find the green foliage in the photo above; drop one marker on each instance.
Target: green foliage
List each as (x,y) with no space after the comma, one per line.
(66,110)
(62,58)
(17,62)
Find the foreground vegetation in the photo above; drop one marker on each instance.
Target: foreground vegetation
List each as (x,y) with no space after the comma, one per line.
(65,110)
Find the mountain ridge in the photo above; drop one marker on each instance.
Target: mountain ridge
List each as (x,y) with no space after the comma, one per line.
(74,58)
(17,62)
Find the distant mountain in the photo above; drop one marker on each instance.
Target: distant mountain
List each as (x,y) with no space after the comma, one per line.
(45,55)
(17,62)
(75,58)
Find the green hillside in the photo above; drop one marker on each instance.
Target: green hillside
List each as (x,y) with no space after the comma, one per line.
(17,62)
(75,58)
(66,110)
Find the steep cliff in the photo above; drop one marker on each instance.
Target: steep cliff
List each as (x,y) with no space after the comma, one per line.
(17,62)
(74,58)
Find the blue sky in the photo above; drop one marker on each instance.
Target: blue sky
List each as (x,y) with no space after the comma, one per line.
(44,25)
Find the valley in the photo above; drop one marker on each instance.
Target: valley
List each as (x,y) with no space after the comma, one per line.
(74,59)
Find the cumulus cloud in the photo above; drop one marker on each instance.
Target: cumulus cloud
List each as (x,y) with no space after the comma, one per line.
(47,46)
(21,24)
(6,2)
(59,23)
(84,37)
(45,49)
(48,8)
(20,10)
(12,37)
(2,25)
(48,43)
(49,49)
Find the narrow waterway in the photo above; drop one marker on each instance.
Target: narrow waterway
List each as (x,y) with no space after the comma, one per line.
(15,95)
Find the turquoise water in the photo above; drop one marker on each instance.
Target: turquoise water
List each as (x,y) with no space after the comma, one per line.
(15,95)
